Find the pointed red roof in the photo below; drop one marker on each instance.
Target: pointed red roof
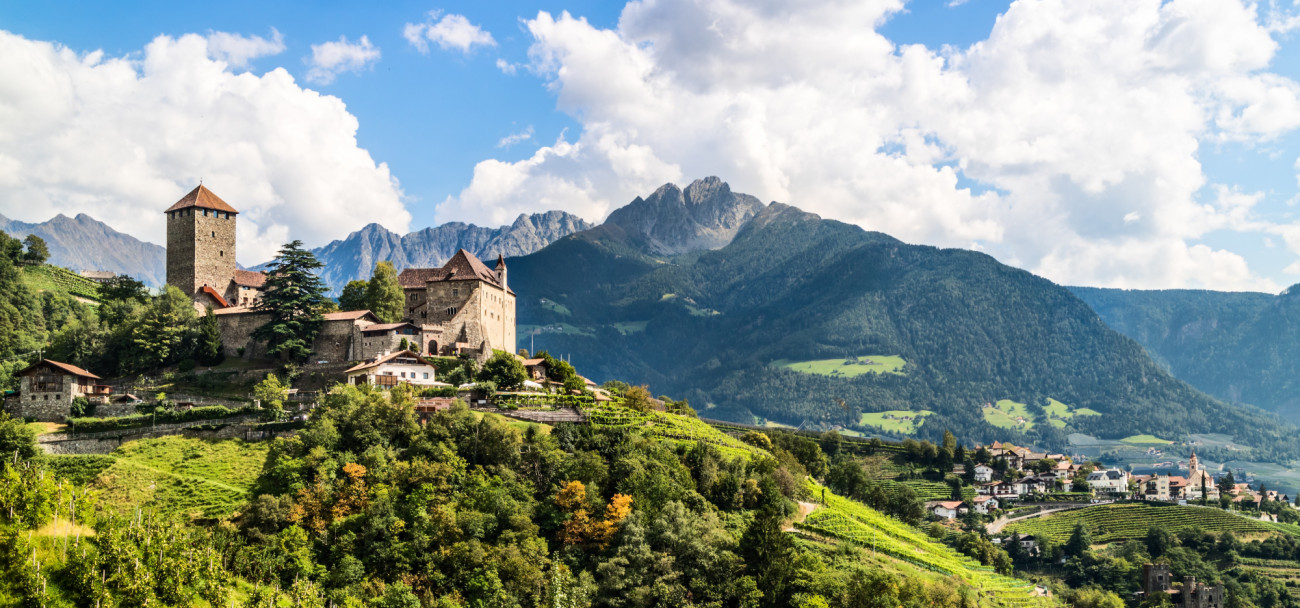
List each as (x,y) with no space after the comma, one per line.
(202,198)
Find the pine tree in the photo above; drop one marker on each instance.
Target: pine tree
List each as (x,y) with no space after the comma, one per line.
(384,295)
(294,297)
(209,347)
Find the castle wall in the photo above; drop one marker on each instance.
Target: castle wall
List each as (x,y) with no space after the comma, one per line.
(338,341)
(470,312)
(237,332)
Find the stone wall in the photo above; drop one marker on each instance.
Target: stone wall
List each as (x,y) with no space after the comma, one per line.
(107,441)
(237,332)
(471,312)
(337,342)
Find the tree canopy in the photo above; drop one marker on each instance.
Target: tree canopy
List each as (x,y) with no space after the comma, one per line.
(294,297)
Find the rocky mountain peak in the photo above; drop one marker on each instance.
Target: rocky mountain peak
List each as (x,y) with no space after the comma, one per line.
(706,215)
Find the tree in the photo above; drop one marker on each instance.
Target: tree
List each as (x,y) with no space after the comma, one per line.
(505,370)
(271,393)
(209,347)
(384,295)
(294,297)
(15,437)
(1080,542)
(638,398)
(353,296)
(163,329)
(1227,483)
(123,287)
(769,556)
(37,251)
(1159,541)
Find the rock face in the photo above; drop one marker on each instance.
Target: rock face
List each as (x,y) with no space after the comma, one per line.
(84,243)
(355,256)
(706,215)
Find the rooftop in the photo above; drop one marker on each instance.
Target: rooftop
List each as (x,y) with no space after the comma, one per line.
(67,367)
(461,267)
(202,198)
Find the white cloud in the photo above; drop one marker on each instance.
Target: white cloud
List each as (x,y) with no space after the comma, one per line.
(451,32)
(238,50)
(330,59)
(515,138)
(124,138)
(506,67)
(1080,120)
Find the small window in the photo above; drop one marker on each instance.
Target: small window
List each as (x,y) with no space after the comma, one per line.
(222,253)
(426,375)
(205,213)
(455,292)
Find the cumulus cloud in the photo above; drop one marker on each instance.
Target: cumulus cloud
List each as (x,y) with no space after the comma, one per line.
(450,32)
(238,50)
(1065,143)
(330,59)
(122,138)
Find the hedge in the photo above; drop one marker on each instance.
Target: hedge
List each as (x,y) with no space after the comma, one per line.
(211,412)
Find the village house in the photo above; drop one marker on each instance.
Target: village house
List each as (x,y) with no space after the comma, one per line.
(536,369)
(945,509)
(404,367)
(46,390)
(1000,489)
(983,473)
(1110,481)
(984,504)
(1035,484)
(1155,487)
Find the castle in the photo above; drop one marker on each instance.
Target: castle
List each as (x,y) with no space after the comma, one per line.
(461,308)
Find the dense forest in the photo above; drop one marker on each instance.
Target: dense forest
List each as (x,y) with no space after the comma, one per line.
(791,286)
(1241,347)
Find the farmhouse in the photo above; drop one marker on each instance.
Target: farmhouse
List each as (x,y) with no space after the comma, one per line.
(945,509)
(983,473)
(47,389)
(984,504)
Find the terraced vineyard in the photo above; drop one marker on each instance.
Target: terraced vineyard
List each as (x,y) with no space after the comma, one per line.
(846,520)
(667,427)
(54,278)
(1120,522)
(1284,571)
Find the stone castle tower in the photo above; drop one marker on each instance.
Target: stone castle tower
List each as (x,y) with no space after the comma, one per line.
(201,249)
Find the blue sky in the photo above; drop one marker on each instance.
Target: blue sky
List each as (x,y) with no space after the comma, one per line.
(1065,140)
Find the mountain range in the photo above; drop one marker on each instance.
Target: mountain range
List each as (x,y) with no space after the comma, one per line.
(355,257)
(721,327)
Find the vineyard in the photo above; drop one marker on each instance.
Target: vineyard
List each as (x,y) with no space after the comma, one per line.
(667,427)
(1121,522)
(56,279)
(846,520)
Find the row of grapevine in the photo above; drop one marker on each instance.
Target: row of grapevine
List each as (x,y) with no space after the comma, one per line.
(1120,522)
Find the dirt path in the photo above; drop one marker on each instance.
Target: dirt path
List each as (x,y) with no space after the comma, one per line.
(996,526)
(804,509)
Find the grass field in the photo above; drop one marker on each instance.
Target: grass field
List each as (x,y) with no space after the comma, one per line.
(54,278)
(556,307)
(1008,414)
(174,475)
(896,421)
(630,327)
(847,368)
(1121,522)
(670,428)
(1145,440)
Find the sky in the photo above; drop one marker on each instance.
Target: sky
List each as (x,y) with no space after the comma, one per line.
(1114,143)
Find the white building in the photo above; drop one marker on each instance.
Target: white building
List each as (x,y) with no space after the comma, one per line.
(390,370)
(1114,481)
(945,509)
(983,473)
(984,504)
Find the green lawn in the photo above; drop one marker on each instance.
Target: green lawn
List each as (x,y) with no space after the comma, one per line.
(1145,440)
(1121,522)
(556,307)
(1008,414)
(54,278)
(847,368)
(175,475)
(896,421)
(630,327)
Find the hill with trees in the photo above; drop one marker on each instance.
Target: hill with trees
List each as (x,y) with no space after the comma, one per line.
(1241,347)
(720,326)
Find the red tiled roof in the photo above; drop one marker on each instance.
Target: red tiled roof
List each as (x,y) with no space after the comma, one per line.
(202,198)
(349,315)
(216,296)
(234,310)
(532,362)
(67,367)
(249,278)
(461,267)
(388,326)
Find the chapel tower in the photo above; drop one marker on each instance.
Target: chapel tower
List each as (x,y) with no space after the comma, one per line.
(201,243)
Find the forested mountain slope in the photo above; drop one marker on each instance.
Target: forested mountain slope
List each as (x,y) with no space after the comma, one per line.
(713,326)
(1238,346)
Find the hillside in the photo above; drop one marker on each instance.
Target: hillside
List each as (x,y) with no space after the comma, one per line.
(723,327)
(46,277)
(1240,347)
(84,243)
(355,256)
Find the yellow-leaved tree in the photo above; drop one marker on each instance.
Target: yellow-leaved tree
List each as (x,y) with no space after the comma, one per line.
(580,527)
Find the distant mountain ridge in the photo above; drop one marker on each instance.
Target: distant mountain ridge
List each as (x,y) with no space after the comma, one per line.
(84,243)
(1241,347)
(355,256)
(704,215)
